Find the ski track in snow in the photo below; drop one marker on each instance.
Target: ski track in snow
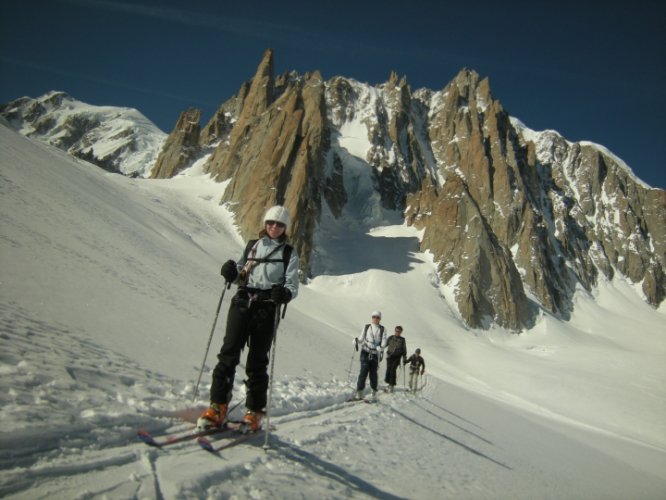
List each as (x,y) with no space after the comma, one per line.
(94,401)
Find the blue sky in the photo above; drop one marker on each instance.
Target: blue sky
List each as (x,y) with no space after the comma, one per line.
(592,70)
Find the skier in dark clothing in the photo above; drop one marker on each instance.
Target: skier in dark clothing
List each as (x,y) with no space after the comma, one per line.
(396,348)
(416,368)
(266,278)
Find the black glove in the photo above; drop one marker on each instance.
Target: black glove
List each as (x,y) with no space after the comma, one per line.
(381,356)
(229,271)
(356,344)
(280,294)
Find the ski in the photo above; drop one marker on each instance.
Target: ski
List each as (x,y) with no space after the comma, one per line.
(170,439)
(363,400)
(228,442)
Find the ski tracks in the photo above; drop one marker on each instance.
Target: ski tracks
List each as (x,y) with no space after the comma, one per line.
(84,444)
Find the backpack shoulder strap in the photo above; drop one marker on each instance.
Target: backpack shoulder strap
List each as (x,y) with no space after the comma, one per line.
(248,247)
(286,255)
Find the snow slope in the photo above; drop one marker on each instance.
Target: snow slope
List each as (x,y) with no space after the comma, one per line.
(108,291)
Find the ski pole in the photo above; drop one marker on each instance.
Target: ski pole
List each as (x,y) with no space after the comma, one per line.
(351,364)
(227,285)
(270,380)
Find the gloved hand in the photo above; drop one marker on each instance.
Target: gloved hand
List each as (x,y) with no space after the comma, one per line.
(381,356)
(229,271)
(356,343)
(280,294)
(422,372)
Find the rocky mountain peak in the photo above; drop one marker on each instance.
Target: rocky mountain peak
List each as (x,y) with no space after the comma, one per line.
(260,94)
(181,147)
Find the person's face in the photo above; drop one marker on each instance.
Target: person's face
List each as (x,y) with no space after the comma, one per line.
(398,332)
(375,319)
(274,229)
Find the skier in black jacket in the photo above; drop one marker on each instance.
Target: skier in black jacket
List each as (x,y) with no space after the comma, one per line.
(396,349)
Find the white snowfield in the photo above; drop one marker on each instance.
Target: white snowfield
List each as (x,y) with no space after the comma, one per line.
(108,292)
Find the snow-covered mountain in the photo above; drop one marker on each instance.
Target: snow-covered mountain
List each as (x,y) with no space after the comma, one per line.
(116,139)
(109,288)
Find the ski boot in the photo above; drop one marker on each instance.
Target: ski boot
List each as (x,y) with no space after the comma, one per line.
(214,416)
(252,421)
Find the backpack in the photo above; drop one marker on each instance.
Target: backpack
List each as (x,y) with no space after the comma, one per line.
(286,254)
(397,345)
(381,333)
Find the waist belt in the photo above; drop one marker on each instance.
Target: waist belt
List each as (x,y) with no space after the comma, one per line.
(258,295)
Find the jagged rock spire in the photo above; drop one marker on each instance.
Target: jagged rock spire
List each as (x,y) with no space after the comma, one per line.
(181,147)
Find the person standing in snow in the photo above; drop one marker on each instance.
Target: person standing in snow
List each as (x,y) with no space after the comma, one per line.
(396,349)
(372,342)
(266,278)
(416,368)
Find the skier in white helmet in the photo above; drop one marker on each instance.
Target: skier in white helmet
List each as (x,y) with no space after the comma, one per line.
(267,276)
(371,343)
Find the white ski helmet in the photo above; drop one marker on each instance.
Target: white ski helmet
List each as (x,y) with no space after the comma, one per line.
(278,213)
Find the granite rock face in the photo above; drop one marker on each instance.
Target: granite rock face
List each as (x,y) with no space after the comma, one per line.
(181,147)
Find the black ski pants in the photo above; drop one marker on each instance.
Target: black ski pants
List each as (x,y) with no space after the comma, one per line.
(369,365)
(247,323)
(392,363)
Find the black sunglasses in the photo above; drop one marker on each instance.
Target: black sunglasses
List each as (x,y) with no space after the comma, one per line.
(274,223)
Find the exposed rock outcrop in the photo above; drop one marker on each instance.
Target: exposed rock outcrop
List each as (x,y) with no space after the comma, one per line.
(181,147)
(274,153)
